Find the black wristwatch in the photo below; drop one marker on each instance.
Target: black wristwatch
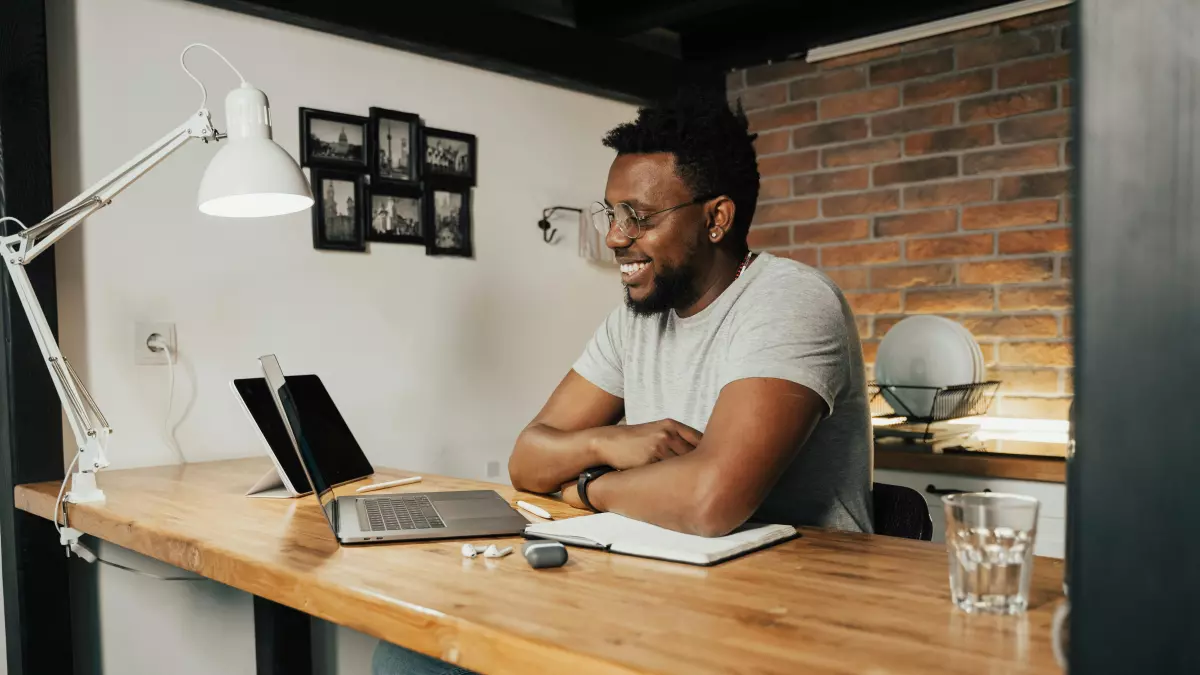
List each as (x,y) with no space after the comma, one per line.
(587,476)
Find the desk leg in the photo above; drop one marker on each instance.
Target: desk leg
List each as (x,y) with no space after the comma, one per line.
(282,639)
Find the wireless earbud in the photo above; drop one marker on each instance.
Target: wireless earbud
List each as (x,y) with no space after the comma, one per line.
(493,552)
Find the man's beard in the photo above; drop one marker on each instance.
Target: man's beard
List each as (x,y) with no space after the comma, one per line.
(673,289)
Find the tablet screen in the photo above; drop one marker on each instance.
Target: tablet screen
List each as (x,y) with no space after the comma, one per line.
(340,457)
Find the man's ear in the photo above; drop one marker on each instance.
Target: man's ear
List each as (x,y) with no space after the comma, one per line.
(721,211)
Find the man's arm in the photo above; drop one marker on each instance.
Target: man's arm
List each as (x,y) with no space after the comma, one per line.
(752,437)
(575,431)
(560,442)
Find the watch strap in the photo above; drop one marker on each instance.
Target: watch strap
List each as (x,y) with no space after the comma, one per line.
(586,476)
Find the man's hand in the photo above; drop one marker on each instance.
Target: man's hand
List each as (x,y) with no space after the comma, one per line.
(628,447)
(570,495)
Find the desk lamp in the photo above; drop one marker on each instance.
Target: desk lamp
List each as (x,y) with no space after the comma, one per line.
(251,176)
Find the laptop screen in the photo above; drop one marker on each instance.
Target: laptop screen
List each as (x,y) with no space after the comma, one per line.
(286,403)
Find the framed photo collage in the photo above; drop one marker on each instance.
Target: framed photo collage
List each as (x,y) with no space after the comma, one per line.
(387,178)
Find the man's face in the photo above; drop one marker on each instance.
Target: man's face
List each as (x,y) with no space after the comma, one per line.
(665,255)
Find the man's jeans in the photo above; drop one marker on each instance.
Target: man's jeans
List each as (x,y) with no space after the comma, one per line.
(392,660)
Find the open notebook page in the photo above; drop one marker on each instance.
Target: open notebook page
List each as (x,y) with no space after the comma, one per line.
(633,537)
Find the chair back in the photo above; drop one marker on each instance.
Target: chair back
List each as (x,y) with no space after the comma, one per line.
(901,512)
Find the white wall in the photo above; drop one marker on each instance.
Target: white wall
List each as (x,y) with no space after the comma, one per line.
(436,363)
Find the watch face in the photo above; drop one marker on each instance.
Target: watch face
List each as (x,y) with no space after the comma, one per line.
(581,487)
(588,475)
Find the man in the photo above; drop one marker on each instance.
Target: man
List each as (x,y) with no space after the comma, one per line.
(740,377)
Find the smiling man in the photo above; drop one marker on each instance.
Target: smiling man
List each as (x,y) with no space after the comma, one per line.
(739,376)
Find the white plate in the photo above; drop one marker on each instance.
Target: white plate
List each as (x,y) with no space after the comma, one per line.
(980,365)
(923,351)
(977,353)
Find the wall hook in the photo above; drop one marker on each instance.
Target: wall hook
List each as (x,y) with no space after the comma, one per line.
(547,233)
(544,224)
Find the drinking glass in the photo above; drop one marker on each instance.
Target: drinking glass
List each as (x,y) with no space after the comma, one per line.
(989,540)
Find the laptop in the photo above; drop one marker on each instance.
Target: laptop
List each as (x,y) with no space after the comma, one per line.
(410,516)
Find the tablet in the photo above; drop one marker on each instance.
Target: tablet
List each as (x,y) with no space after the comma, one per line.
(339,455)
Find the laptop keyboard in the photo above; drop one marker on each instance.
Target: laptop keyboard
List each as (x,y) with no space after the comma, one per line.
(415,512)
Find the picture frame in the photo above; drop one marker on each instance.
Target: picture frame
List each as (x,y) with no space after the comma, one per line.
(333,140)
(338,214)
(397,215)
(394,147)
(449,156)
(448,220)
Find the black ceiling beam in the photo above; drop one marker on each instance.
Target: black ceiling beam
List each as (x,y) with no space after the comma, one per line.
(772,30)
(487,37)
(629,17)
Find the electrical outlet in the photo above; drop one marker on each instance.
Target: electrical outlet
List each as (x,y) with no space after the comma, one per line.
(493,469)
(142,354)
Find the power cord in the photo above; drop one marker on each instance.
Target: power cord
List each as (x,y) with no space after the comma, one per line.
(156,343)
(15,220)
(143,573)
(60,506)
(69,537)
(203,90)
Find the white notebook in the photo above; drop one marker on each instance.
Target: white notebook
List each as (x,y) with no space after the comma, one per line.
(619,534)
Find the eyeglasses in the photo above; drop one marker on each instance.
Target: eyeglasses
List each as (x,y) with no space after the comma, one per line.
(627,219)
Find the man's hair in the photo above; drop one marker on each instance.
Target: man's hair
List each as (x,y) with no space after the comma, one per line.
(713,149)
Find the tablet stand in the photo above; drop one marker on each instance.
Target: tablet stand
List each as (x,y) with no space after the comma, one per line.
(273,485)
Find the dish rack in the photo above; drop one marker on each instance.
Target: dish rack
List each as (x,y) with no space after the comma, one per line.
(953,402)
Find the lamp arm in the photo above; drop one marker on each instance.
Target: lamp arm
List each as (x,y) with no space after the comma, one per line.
(90,428)
(30,243)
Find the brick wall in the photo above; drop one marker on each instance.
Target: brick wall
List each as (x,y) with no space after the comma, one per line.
(931,178)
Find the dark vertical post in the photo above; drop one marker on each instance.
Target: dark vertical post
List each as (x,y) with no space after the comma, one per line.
(37,610)
(282,639)
(1135,559)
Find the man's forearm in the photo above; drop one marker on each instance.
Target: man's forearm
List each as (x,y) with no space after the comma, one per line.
(544,458)
(753,435)
(680,494)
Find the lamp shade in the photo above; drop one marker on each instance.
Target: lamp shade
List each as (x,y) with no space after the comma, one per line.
(251,176)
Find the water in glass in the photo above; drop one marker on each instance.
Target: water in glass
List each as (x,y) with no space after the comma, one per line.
(989,540)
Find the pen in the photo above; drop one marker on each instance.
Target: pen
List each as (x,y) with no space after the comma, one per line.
(535,510)
(390,483)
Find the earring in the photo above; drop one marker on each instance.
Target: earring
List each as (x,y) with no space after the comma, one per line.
(715,234)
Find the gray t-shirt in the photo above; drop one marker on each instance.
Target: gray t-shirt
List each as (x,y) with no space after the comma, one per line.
(780,319)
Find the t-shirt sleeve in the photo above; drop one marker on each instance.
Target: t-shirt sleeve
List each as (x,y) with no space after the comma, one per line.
(797,332)
(603,360)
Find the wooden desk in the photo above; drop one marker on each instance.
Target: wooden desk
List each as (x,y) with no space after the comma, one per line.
(824,603)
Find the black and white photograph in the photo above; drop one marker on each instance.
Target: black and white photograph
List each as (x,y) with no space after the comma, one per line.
(396,218)
(450,154)
(449,230)
(338,215)
(393,140)
(333,140)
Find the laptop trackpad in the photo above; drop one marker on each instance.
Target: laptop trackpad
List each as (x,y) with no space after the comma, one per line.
(462,509)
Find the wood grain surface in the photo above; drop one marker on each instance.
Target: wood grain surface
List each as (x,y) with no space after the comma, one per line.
(824,603)
(981,464)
